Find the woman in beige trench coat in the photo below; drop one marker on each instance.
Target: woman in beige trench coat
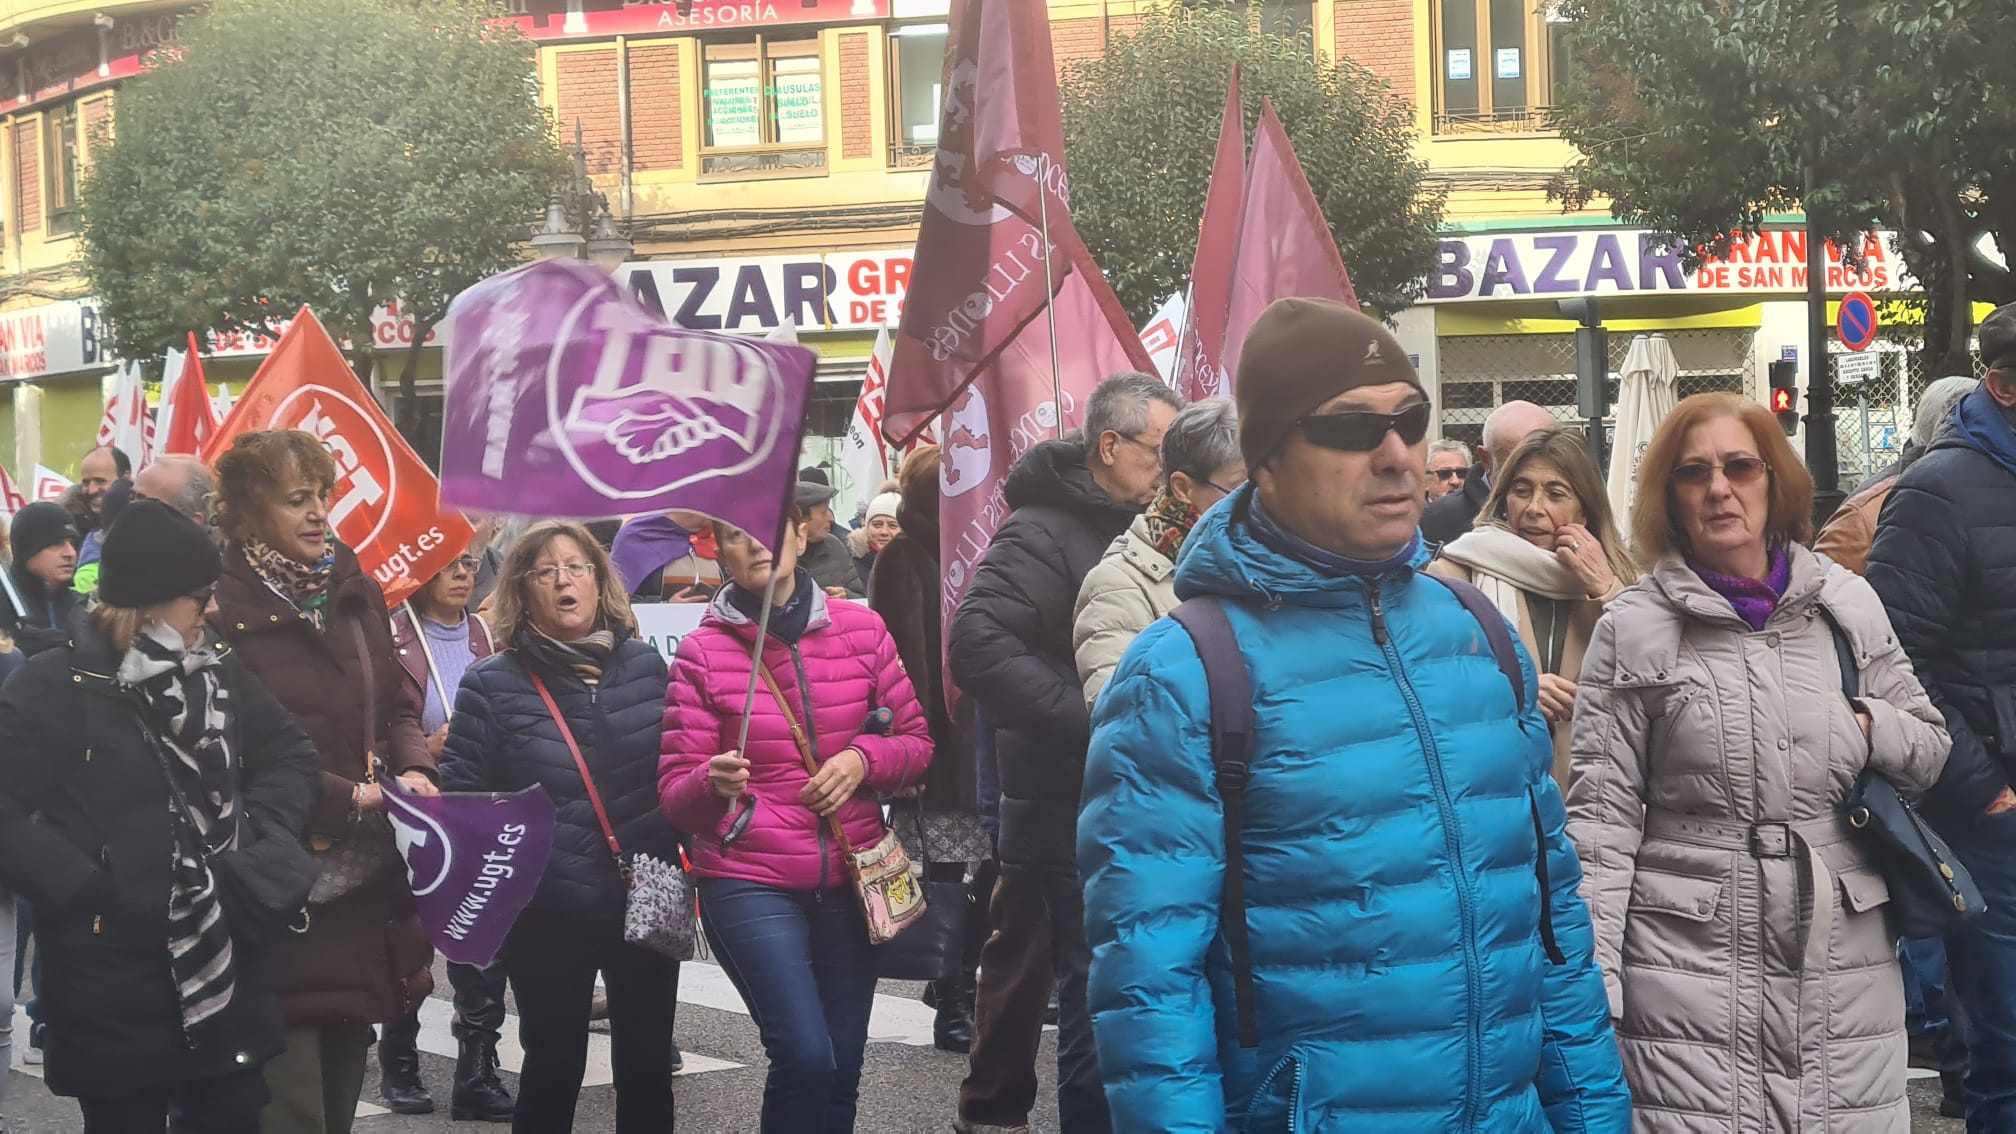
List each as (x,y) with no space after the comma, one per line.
(1741,931)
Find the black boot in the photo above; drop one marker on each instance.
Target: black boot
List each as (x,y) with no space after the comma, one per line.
(399,1067)
(479,1094)
(953,1029)
(1951,1103)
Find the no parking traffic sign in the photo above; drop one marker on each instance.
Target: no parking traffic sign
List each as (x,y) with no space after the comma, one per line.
(1855,321)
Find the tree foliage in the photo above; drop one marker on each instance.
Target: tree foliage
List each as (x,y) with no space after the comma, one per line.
(1141,128)
(1699,119)
(341,154)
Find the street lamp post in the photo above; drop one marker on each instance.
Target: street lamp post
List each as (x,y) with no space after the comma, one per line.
(598,240)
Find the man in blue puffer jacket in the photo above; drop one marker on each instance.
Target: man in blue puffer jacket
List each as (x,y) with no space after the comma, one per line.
(1393,886)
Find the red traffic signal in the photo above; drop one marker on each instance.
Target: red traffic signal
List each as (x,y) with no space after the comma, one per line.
(1781,401)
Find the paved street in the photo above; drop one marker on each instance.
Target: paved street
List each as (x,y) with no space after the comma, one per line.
(909,1088)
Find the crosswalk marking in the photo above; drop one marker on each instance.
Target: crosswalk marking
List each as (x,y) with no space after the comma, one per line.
(437,1037)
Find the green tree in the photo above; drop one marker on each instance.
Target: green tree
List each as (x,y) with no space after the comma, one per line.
(1141,129)
(1699,120)
(341,154)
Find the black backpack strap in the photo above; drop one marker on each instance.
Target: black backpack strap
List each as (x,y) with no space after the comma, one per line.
(1499,633)
(1231,691)
(1496,631)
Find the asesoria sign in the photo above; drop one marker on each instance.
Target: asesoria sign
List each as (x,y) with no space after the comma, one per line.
(565,398)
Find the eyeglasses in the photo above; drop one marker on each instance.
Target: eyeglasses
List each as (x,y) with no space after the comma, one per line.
(549,575)
(202,598)
(1154,451)
(467,564)
(1361,431)
(1451,474)
(1742,470)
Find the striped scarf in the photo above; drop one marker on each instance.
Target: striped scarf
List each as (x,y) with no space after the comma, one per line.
(184,708)
(583,657)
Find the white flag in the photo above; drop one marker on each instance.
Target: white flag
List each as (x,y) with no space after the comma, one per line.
(127,424)
(50,484)
(1160,335)
(171,372)
(865,455)
(11,499)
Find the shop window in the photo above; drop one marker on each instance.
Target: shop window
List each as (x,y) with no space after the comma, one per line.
(1498,64)
(916,86)
(60,156)
(1288,17)
(764,109)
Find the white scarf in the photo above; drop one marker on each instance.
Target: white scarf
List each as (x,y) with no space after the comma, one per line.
(1502,565)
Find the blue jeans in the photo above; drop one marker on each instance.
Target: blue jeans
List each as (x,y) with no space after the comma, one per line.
(1981,971)
(24,928)
(802,962)
(1924,961)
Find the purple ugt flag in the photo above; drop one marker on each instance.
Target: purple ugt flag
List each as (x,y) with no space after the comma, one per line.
(565,398)
(474,860)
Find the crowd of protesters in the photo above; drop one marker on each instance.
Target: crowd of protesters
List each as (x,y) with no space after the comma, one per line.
(1329,779)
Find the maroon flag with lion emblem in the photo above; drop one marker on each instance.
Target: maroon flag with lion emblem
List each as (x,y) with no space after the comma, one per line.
(975,344)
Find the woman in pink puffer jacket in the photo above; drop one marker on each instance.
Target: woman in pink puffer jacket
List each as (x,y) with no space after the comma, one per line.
(777,905)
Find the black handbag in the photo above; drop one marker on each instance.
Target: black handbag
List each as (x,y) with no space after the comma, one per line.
(1931,893)
(934,945)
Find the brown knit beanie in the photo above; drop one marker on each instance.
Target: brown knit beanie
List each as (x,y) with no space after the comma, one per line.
(1300,354)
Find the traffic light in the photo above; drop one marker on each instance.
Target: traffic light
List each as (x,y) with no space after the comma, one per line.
(1785,394)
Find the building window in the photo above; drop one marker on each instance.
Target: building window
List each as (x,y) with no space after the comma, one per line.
(763,104)
(916,85)
(61,153)
(1288,17)
(1497,64)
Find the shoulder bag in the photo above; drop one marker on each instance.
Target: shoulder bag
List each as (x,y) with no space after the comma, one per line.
(884,881)
(658,909)
(368,852)
(1931,893)
(934,948)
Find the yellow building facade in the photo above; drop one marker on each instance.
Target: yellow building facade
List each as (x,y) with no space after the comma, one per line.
(767,159)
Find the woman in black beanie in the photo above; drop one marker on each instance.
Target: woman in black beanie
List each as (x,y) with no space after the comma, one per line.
(153,800)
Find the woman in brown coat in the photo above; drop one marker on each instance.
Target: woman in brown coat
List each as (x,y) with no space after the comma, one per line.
(1547,554)
(311,625)
(905,589)
(1740,929)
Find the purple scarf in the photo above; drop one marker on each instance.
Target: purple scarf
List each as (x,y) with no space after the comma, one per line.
(1754,601)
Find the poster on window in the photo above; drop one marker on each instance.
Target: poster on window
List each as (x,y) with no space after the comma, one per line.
(1508,62)
(797,97)
(1459,63)
(734,105)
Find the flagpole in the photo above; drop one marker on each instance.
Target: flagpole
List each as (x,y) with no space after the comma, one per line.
(1175,379)
(756,656)
(1050,298)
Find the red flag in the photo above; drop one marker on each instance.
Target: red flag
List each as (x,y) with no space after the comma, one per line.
(386,505)
(11,499)
(976,343)
(1285,246)
(1201,371)
(979,275)
(192,419)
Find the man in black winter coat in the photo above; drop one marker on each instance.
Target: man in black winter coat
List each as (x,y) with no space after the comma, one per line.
(1508,425)
(1010,649)
(38,604)
(1944,563)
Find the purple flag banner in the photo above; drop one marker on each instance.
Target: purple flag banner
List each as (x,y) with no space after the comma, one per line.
(566,398)
(474,860)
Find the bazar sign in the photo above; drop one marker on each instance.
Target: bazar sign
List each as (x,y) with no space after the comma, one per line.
(548,19)
(1634,262)
(839,291)
(50,338)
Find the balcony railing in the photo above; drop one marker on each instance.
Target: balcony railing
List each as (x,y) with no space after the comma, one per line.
(1517,120)
(765,161)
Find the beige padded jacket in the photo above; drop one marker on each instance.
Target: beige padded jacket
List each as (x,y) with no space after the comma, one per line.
(1130,587)
(1740,932)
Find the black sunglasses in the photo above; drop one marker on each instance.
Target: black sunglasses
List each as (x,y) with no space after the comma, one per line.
(202,598)
(1361,431)
(1450,474)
